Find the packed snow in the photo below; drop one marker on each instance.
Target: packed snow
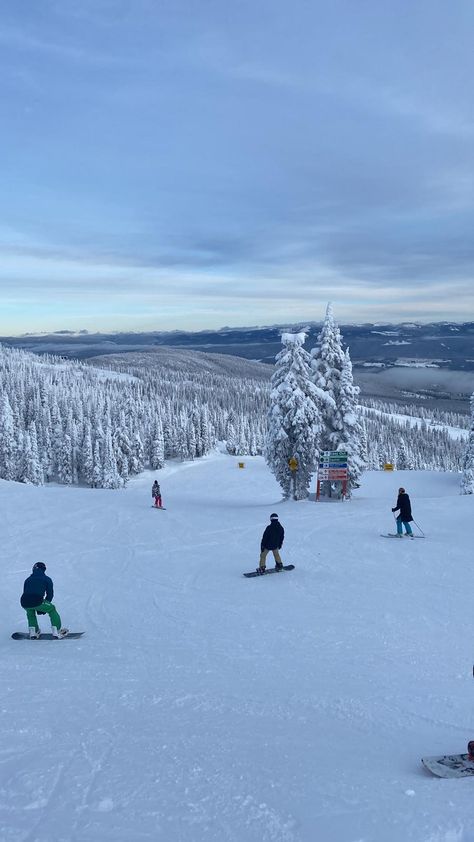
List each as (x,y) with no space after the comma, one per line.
(201,706)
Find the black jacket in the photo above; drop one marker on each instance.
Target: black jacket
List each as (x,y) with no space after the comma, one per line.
(272,538)
(37,587)
(403,503)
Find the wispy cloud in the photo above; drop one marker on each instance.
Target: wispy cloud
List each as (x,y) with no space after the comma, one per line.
(20,39)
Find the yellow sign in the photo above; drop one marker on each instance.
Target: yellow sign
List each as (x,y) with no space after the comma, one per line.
(388,466)
(293,464)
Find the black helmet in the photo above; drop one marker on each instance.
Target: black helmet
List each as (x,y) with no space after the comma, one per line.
(40,565)
(274,516)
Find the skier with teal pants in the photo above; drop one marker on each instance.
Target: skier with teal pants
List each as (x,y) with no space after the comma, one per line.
(37,598)
(404,518)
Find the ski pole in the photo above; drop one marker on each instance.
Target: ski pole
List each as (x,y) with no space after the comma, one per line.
(419,527)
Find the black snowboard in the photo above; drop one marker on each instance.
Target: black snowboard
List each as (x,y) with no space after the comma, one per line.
(163,508)
(268,571)
(49,636)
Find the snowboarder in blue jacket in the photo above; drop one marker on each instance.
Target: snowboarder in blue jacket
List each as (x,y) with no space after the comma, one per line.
(37,598)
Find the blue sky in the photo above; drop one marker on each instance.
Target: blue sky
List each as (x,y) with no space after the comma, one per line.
(193,164)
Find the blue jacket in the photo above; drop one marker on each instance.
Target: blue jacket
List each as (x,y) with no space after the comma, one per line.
(37,588)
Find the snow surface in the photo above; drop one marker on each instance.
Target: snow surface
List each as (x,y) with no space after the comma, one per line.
(201,706)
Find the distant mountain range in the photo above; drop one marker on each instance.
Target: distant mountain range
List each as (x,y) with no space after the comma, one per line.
(442,344)
(407,360)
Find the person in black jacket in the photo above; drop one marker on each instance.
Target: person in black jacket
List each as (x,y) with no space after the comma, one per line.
(404,518)
(37,597)
(272,539)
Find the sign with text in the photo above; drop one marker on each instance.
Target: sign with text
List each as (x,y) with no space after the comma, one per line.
(332,468)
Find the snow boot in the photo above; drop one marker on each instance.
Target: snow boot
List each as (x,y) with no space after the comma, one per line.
(59,633)
(34,634)
(278,566)
(260,571)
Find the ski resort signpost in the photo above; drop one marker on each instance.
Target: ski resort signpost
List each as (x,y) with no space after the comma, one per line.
(332,468)
(293,466)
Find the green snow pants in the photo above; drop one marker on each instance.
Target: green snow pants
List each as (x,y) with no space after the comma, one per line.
(45,608)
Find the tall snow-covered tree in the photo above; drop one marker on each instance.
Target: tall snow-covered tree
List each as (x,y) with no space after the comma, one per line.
(64,456)
(87,457)
(331,370)
(327,363)
(348,432)
(295,417)
(110,476)
(157,458)
(467,477)
(34,468)
(7,440)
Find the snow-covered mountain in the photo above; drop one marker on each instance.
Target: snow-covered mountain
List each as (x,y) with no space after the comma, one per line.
(446,344)
(204,707)
(415,361)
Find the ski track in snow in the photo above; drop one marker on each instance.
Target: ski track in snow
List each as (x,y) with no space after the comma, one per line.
(204,707)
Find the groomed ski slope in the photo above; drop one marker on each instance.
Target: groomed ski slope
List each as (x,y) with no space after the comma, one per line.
(204,707)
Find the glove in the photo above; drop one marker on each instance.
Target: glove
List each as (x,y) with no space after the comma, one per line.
(394,510)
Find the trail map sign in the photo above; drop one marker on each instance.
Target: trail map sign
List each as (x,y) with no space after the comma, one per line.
(332,468)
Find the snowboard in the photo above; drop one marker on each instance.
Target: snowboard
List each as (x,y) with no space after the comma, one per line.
(395,535)
(48,636)
(270,570)
(449,765)
(163,508)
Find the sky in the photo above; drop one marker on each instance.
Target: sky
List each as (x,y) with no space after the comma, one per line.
(168,164)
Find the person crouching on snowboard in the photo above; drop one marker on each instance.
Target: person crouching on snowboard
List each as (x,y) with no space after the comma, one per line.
(272,539)
(156,493)
(37,597)
(404,518)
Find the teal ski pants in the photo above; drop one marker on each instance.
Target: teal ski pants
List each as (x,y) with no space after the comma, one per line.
(45,608)
(406,524)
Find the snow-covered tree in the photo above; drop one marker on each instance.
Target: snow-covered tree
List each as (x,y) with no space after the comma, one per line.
(110,476)
(295,417)
(327,363)
(331,370)
(97,471)
(157,458)
(64,456)
(348,433)
(88,458)
(7,440)
(34,468)
(467,477)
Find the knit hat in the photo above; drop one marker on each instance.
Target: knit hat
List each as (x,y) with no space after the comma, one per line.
(273,516)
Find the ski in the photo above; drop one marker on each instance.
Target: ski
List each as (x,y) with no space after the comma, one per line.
(48,636)
(450,765)
(270,570)
(396,535)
